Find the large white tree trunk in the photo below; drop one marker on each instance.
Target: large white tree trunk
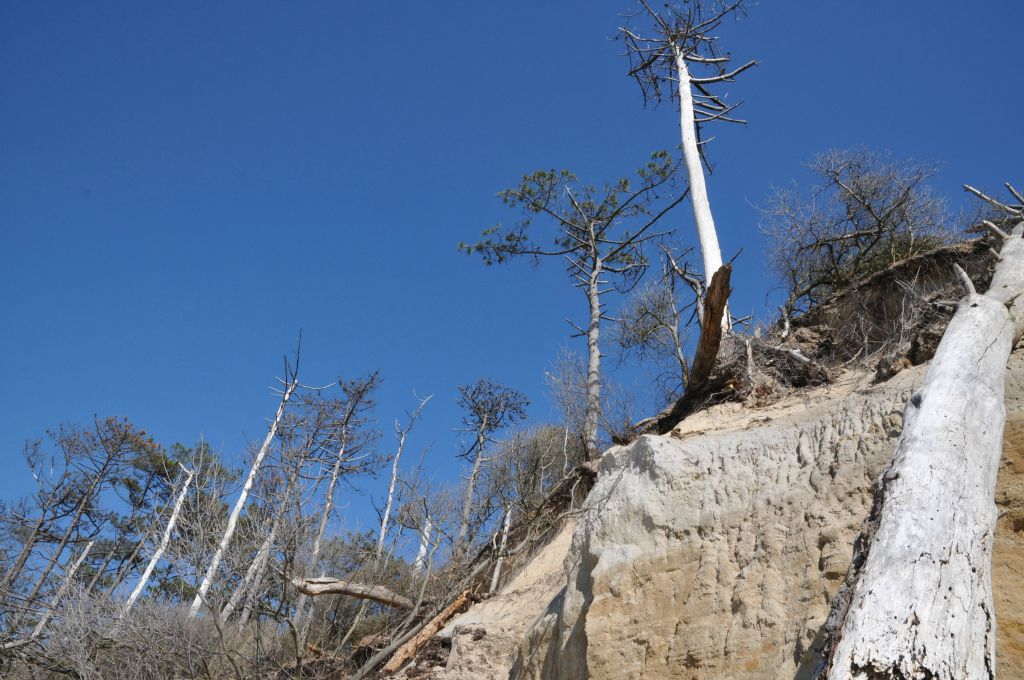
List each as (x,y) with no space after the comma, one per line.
(420,563)
(229,531)
(168,532)
(593,360)
(707,235)
(920,603)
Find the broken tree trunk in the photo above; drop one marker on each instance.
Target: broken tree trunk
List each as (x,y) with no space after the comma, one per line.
(918,599)
(703,361)
(325,585)
(407,651)
(707,235)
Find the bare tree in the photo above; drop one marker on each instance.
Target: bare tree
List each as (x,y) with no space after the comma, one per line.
(289,384)
(917,602)
(654,321)
(597,232)
(663,47)
(165,539)
(358,399)
(867,212)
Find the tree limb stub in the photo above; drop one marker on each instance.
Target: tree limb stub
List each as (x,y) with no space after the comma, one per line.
(326,585)
(711,328)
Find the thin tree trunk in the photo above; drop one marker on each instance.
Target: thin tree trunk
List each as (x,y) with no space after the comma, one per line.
(222,547)
(496,576)
(707,235)
(391,497)
(918,600)
(254,574)
(79,511)
(593,360)
(61,592)
(250,588)
(467,503)
(164,541)
(26,551)
(325,514)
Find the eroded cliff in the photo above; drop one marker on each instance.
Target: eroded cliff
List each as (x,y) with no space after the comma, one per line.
(714,552)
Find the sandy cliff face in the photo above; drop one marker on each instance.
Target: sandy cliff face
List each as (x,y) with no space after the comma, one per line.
(714,553)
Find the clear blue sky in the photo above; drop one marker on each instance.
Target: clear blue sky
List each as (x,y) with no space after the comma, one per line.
(185,185)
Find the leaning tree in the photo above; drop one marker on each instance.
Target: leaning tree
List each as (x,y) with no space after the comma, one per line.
(664,47)
(598,232)
(917,602)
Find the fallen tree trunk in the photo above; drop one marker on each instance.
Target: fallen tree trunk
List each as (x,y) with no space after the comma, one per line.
(325,585)
(408,650)
(917,602)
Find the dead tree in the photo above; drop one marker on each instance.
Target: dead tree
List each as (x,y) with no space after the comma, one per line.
(357,400)
(662,55)
(866,212)
(917,602)
(598,233)
(289,384)
(165,539)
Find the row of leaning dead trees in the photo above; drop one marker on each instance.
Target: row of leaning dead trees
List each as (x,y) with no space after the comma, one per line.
(886,623)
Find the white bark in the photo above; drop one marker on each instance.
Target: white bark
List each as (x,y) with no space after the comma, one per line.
(48,612)
(467,503)
(325,514)
(707,235)
(420,562)
(921,605)
(593,360)
(168,532)
(391,495)
(253,575)
(229,531)
(496,576)
(326,585)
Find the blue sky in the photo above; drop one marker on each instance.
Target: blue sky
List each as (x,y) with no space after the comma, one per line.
(183,186)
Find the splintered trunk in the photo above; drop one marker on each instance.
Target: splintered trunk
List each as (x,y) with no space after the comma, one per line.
(168,532)
(707,235)
(918,600)
(496,576)
(593,360)
(229,531)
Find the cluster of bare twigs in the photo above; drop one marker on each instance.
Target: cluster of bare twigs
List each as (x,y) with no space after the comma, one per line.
(266,586)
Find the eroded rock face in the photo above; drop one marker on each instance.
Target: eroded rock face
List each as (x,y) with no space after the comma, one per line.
(715,553)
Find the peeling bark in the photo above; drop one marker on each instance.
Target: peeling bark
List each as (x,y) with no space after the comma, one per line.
(918,600)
